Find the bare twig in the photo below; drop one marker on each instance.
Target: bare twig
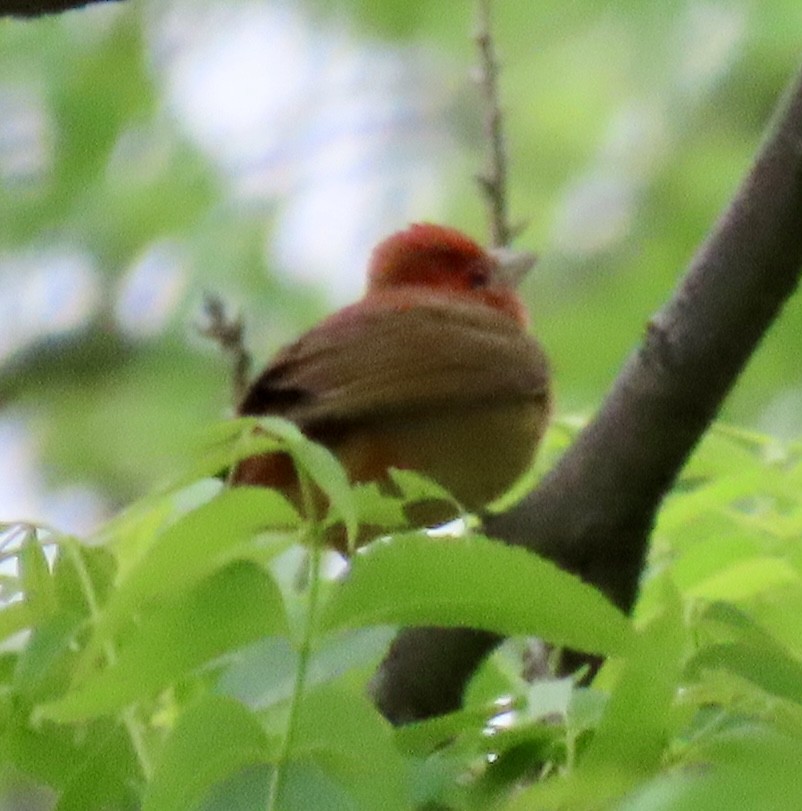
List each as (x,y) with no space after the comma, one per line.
(493,181)
(227,333)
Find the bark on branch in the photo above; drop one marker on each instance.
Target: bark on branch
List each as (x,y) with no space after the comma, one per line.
(35,8)
(594,511)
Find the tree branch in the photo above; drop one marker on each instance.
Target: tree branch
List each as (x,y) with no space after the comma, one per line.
(593,513)
(227,333)
(493,181)
(35,8)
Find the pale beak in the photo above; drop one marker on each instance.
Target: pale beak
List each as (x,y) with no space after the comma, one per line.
(511,265)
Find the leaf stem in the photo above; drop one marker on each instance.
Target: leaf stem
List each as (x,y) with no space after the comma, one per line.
(314,535)
(134,727)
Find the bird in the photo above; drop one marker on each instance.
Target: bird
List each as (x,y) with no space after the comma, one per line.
(433,370)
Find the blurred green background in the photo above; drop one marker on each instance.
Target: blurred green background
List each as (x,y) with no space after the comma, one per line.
(152,150)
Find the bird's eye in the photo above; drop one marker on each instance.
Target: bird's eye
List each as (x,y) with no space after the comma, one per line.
(477,279)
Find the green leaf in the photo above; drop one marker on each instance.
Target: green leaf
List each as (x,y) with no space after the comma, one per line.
(202,541)
(340,653)
(377,509)
(308,784)
(751,770)
(226,611)
(638,720)
(716,496)
(634,730)
(746,579)
(130,534)
(44,665)
(416,487)
(223,444)
(263,674)
(35,579)
(13,618)
(342,731)
(754,655)
(477,583)
(97,570)
(55,755)
(321,466)
(107,776)
(212,740)
(768,667)
(245,790)
(712,553)
(424,737)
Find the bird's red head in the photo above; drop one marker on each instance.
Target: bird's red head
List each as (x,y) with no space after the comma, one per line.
(444,260)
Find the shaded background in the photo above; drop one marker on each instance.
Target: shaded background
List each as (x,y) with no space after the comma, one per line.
(150,151)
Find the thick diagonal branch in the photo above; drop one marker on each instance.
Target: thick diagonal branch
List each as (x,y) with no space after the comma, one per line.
(595,510)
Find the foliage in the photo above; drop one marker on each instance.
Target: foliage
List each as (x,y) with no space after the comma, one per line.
(191,654)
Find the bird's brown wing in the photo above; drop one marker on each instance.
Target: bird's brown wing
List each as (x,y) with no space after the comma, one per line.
(376,362)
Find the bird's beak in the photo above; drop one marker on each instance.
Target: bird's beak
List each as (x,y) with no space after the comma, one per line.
(511,265)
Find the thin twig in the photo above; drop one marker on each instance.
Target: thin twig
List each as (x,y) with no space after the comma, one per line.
(137,731)
(493,181)
(227,332)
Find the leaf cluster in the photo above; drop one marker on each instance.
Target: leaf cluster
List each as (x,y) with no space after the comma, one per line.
(204,651)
